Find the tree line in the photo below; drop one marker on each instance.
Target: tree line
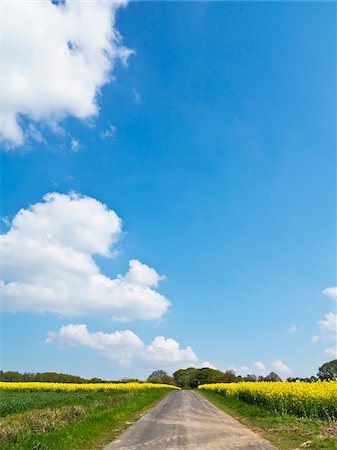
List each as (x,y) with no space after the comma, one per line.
(185,378)
(56,378)
(192,377)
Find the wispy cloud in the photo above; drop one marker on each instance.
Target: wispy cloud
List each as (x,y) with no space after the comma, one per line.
(109,132)
(75,145)
(136,96)
(315,338)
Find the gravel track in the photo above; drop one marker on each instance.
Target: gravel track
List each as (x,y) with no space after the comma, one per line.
(186,420)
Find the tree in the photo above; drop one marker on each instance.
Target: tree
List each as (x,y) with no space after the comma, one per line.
(251,377)
(229,377)
(328,371)
(193,377)
(273,377)
(186,378)
(160,377)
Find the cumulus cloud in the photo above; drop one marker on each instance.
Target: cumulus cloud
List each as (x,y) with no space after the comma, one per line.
(328,325)
(243,370)
(124,347)
(259,368)
(55,59)
(331,351)
(207,364)
(281,367)
(331,292)
(47,263)
(142,275)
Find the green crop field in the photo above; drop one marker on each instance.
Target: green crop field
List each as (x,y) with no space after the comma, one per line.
(69,420)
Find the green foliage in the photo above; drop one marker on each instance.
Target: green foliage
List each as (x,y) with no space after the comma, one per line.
(70,420)
(160,377)
(44,377)
(55,377)
(272,377)
(328,371)
(192,377)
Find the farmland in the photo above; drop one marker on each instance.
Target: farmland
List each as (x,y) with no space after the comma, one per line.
(290,415)
(312,400)
(64,415)
(55,416)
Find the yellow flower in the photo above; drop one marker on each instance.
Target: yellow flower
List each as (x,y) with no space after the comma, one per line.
(40,386)
(314,400)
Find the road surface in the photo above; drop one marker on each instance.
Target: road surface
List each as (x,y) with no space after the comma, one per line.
(186,420)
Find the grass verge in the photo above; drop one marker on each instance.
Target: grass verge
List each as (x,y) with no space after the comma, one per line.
(99,418)
(285,432)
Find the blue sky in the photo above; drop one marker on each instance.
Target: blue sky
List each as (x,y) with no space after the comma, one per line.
(215,145)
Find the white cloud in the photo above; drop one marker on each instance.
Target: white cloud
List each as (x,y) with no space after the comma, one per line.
(109,132)
(331,351)
(142,275)
(328,325)
(47,263)
(292,328)
(331,292)
(75,145)
(281,367)
(34,133)
(206,364)
(243,370)
(259,368)
(124,347)
(55,59)
(136,96)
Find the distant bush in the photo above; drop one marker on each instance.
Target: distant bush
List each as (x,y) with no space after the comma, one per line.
(193,377)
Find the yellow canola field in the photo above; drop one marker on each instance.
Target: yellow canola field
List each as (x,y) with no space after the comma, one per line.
(41,386)
(312,400)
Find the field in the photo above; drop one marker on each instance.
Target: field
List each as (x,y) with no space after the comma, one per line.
(43,416)
(289,415)
(312,400)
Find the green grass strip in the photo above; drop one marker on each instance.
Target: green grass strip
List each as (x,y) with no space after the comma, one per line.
(101,424)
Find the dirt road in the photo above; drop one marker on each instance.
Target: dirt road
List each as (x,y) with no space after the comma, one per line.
(185,420)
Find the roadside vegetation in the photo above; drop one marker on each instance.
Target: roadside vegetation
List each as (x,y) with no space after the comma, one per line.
(311,400)
(286,432)
(67,419)
(301,413)
(53,411)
